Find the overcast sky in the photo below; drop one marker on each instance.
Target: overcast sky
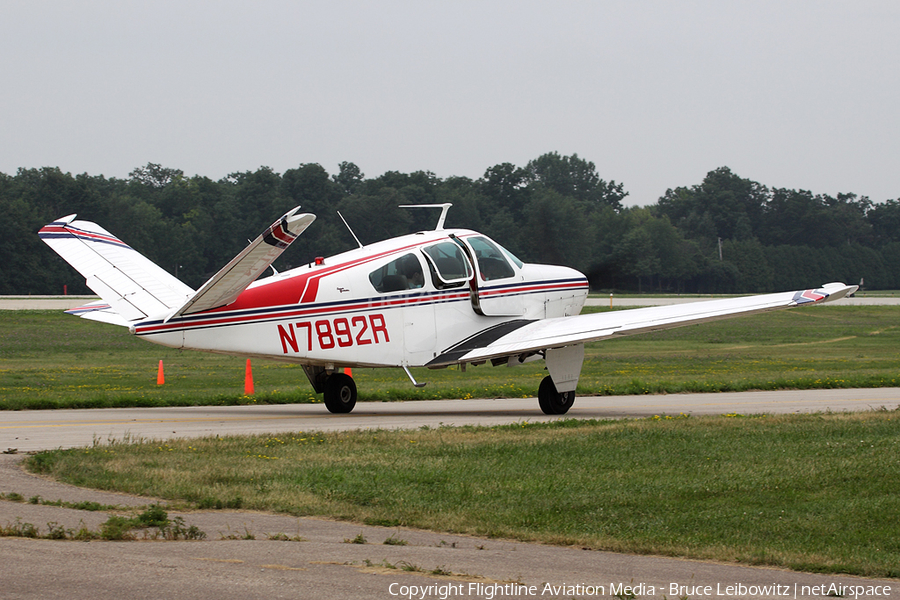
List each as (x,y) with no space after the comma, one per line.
(656,94)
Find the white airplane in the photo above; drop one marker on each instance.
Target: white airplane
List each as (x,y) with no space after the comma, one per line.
(429,299)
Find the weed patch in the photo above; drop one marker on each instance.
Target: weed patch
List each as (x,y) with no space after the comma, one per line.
(154,521)
(393,540)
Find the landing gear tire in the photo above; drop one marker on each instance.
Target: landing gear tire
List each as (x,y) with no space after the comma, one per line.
(340,393)
(553,402)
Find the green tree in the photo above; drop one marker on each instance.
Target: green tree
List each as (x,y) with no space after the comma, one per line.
(722,206)
(504,187)
(636,255)
(557,231)
(349,178)
(797,217)
(154,175)
(576,178)
(885,221)
(749,258)
(890,258)
(678,259)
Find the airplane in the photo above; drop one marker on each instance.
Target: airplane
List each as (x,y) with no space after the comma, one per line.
(428,299)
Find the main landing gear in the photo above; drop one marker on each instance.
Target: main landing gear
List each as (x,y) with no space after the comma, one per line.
(553,402)
(338,388)
(340,393)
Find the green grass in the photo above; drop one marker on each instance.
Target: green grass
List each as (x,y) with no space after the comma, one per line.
(52,360)
(806,492)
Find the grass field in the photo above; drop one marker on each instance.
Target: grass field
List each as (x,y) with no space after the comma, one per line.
(51,360)
(806,492)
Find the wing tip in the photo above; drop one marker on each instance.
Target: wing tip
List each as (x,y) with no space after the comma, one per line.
(828,292)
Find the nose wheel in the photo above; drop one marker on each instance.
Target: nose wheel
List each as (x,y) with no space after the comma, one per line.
(553,402)
(340,393)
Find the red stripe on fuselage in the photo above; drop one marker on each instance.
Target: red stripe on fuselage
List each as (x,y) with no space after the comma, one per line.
(532,288)
(367,304)
(279,312)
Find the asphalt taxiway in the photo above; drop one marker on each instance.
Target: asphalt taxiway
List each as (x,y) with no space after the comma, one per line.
(32,430)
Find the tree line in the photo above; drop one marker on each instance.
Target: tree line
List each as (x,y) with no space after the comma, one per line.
(726,234)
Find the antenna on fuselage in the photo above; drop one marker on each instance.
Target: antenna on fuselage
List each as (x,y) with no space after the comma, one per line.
(444,208)
(348,229)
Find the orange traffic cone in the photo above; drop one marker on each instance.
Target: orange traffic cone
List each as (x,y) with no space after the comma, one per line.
(248,380)
(160,376)
(348,371)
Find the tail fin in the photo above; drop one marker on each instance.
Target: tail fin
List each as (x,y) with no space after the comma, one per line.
(133,286)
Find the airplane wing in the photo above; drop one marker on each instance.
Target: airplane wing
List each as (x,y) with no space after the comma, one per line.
(522,336)
(132,285)
(224,287)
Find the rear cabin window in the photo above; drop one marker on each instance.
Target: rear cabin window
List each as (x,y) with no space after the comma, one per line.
(405,273)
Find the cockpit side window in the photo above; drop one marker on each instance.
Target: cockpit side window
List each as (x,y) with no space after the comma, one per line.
(449,267)
(492,262)
(405,273)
